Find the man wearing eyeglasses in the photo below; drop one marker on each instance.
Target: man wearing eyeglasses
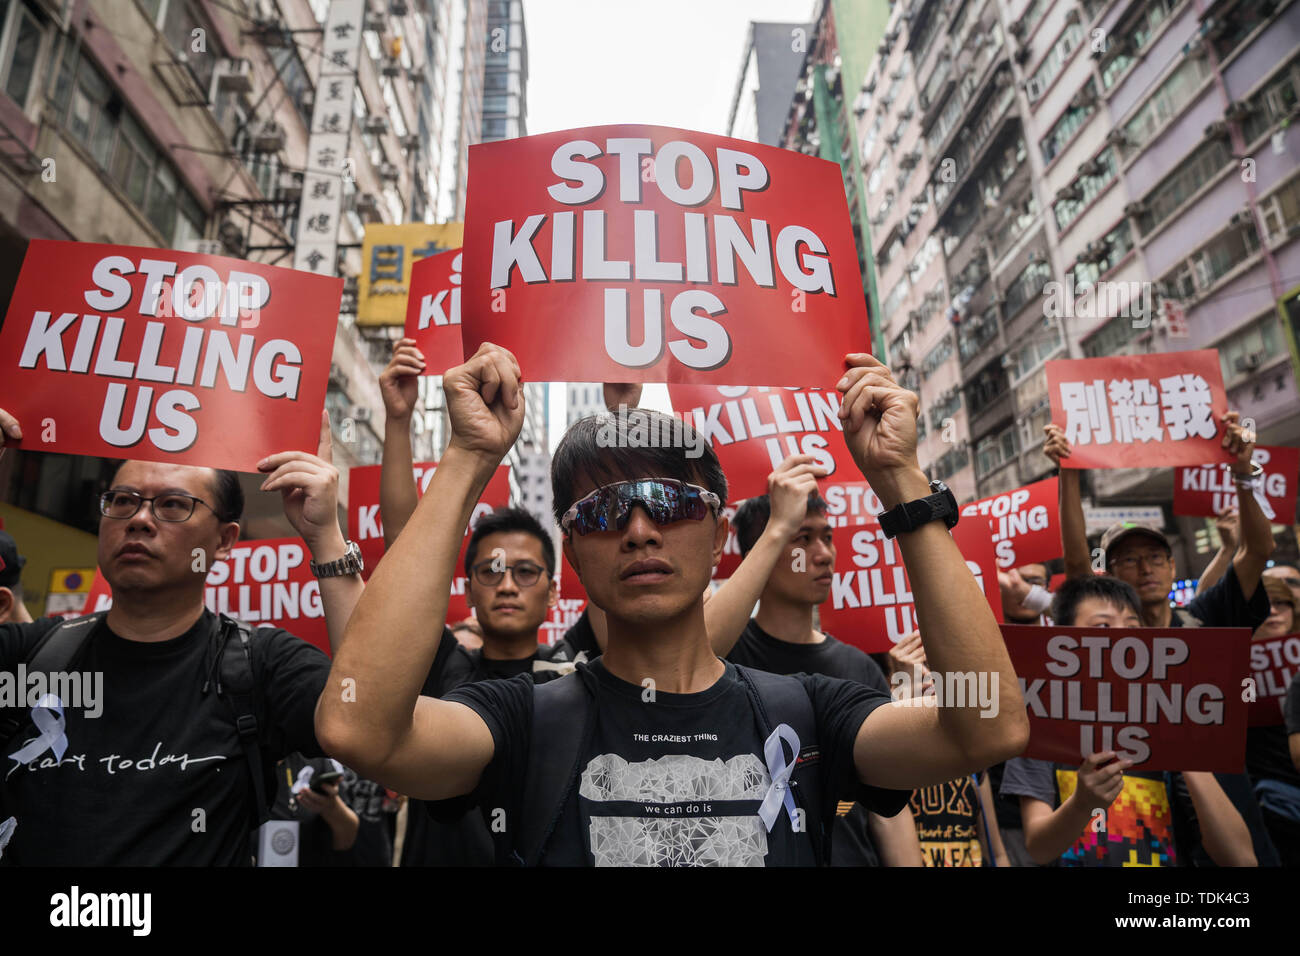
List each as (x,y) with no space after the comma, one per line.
(659,753)
(154,772)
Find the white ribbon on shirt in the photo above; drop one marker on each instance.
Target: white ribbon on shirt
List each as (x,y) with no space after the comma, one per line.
(778,793)
(47,715)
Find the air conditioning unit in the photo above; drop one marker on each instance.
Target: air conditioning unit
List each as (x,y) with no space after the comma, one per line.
(1091,167)
(1117,137)
(1248,363)
(1217,130)
(398,8)
(1016,28)
(269,138)
(376,125)
(1135,209)
(391,68)
(1083,99)
(1239,218)
(389,172)
(234,75)
(1022,55)
(411,141)
(204,247)
(1069,192)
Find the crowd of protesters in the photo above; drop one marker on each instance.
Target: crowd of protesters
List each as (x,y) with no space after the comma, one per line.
(671,725)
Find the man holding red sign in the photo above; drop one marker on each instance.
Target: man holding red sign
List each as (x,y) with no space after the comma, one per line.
(576,765)
(172,764)
(669,255)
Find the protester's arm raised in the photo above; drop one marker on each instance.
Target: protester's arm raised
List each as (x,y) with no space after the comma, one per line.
(788,487)
(371,715)
(1074,530)
(1227,525)
(1223,832)
(309,491)
(900,746)
(1256,532)
(399,387)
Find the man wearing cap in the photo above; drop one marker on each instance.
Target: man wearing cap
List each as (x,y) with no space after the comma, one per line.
(12,609)
(1140,555)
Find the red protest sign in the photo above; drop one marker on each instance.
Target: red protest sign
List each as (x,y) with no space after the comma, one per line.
(752,430)
(568,607)
(126,352)
(1273,665)
(1025,523)
(872,605)
(1140,411)
(267,582)
(1205,490)
(1165,698)
(433,310)
(650,254)
(367,527)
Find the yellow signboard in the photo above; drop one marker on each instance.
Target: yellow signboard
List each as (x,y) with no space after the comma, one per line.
(68,590)
(387,252)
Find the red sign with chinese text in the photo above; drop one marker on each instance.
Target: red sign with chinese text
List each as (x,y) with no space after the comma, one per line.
(1140,411)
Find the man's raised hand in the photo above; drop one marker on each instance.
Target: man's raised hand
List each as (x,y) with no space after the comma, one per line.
(399,382)
(1056,446)
(309,487)
(9,428)
(788,488)
(879,418)
(485,402)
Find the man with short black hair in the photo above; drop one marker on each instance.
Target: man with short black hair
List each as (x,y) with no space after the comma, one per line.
(160,768)
(658,753)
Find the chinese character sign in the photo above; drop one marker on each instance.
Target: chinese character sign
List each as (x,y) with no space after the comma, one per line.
(321,205)
(1140,411)
(433,310)
(128,352)
(649,254)
(389,255)
(1165,698)
(1205,490)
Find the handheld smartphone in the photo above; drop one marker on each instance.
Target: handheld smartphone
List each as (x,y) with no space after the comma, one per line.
(319,780)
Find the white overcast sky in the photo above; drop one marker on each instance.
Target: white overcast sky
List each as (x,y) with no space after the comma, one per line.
(664,62)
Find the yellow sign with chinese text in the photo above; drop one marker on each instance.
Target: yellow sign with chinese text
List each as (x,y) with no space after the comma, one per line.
(387,252)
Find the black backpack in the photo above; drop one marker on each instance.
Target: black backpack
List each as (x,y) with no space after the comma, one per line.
(555,753)
(235,682)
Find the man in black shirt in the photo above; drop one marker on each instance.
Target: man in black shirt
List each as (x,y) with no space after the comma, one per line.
(680,760)
(788,551)
(154,772)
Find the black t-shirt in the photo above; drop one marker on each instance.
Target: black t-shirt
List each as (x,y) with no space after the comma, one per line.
(760,650)
(463,840)
(1268,755)
(159,777)
(851,844)
(579,639)
(373,845)
(676,781)
(1223,605)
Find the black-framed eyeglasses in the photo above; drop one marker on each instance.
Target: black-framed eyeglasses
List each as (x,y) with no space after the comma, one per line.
(172,506)
(489,574)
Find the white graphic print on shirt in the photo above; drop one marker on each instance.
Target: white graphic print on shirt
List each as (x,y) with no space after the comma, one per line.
(674,829)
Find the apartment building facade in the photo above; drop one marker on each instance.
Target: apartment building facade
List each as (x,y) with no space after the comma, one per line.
(184,124)
(1009,144)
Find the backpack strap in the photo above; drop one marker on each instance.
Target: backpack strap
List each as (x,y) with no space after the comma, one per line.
(779,699)
(53,652)
(238,685)
(560,707)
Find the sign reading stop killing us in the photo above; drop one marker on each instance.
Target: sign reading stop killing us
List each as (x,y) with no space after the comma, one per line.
(1165,698)
(126,352)
(433,310)
(649,254)
(1024,523)
(1204,491)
